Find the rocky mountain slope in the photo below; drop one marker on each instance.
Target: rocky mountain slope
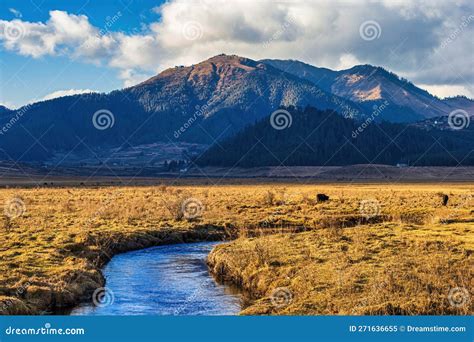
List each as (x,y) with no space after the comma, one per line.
(368,85)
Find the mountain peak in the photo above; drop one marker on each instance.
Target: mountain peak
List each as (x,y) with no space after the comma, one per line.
(4,109)
(216,66)
(232,61)
(363,68)
(216,98)
(223,58)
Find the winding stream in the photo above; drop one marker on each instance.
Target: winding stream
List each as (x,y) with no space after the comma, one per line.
(164,280)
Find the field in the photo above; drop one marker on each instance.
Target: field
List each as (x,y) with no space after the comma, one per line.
(369,249)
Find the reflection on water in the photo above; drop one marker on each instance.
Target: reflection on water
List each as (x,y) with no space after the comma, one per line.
(165,280)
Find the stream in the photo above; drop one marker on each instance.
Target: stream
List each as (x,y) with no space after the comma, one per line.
(164,280)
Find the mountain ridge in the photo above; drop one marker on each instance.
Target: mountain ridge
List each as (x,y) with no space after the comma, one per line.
(228,92)
(198,104)
(366,83)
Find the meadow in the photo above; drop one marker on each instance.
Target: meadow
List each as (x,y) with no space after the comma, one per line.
(369,249)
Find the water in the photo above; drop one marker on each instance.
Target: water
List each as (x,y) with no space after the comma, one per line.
(165,280)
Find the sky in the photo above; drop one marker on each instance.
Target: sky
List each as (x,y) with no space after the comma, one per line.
(52,48)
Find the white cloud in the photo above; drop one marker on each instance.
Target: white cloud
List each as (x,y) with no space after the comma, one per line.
(63,34)
(446,90)
(413,41)
(347,61)
(8,105)
(68,92)
(132,77)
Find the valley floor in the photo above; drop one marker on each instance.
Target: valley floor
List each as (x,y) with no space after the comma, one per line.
(26,175)
(369,249)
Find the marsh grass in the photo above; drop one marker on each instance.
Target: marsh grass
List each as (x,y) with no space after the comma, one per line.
(386,269)
(66,235)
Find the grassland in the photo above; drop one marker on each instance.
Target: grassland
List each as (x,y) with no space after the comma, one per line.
(370,249)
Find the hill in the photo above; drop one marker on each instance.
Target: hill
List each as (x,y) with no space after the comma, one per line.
(197,104)
(313,137)
(183,110)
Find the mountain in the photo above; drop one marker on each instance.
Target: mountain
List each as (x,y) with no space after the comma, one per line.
(460,102)
(196,104)
(228,91)
(322,138)
(322,77)
(183,110)
(368,85)
(4,110)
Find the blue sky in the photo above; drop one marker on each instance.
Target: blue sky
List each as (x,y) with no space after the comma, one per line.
(51,48)
(25,78)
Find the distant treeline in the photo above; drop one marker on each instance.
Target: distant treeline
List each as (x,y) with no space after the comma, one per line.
(325,138)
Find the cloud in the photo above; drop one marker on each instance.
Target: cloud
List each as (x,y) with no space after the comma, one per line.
(446,90)
(428,42)
(7,104)
(132,77)
(69,92)
(347,61)
(59,35)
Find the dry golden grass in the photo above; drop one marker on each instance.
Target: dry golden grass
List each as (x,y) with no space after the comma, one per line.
(50,256)
(380,269)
